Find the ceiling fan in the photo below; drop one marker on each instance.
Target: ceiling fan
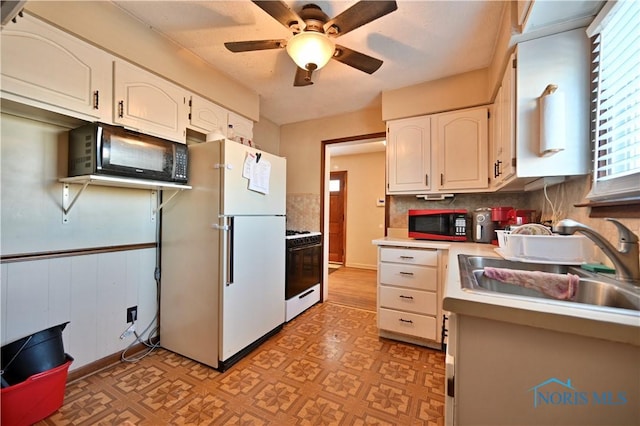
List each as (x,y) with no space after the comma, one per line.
(312,45)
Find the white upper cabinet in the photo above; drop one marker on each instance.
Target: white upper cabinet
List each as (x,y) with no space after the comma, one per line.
(242,127)
(207,117)
(562,60)
(502,162)
(461,140)
(409,155)
(147,103)
(49,69)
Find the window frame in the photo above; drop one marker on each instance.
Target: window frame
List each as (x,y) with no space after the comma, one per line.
(622,188)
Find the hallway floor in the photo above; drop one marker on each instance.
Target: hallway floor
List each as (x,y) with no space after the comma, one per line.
(326,367)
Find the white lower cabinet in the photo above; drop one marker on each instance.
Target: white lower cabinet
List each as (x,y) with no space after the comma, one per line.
(408,295)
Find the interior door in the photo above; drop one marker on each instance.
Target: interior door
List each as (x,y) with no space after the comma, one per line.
(337,215)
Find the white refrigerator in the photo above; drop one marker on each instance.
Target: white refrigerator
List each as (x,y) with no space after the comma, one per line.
(223,254)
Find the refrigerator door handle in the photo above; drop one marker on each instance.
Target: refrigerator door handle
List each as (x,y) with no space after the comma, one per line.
(230,250)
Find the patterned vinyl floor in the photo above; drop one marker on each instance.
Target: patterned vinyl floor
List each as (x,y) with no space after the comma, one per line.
(326,367)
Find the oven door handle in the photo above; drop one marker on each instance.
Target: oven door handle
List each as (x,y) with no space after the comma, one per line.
(303,247)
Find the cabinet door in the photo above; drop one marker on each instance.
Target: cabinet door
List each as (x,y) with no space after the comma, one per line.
(242,127)
(47,68)
(409,155)
(206,116)
(506,168)
(495,141)
(461,139)
(147,103)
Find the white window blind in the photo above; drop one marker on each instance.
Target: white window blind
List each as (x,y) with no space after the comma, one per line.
(616,101)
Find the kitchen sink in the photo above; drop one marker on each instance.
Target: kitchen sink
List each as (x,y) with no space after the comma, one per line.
(593,289)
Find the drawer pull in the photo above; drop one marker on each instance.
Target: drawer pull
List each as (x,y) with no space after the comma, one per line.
(406,297)
(407,321)
(406,273)
(406,257)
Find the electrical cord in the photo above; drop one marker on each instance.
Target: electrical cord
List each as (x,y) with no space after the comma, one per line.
(554,217)
(155,331)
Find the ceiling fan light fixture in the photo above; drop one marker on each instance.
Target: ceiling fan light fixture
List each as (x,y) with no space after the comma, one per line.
(310,47)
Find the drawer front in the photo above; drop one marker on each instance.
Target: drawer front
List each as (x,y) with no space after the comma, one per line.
(408,256)
(419,277)
(407,323)
(404,299)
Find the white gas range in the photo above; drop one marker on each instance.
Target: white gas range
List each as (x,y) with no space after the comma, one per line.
(303,271)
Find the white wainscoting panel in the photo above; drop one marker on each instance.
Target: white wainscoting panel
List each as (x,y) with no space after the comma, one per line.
(92,292)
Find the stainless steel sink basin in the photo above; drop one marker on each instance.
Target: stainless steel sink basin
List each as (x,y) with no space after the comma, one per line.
(593,289)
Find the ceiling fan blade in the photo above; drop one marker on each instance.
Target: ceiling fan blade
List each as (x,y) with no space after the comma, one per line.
(302,78)
(280,12)
(359,14)
(356,60)
(246,46)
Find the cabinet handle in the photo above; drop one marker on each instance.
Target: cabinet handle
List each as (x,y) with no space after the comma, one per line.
(441,178)
(96,99)
(495,169)
(426,179)
(498,163)
(407,321)
(406,273)
(406,257)
(402,296)
(121,109)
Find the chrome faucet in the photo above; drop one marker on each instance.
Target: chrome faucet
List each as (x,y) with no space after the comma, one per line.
(625,258)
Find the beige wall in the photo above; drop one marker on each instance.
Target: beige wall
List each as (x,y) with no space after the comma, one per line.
(301,143)
(364,219)
(266,135)
(446,94)
(107,26)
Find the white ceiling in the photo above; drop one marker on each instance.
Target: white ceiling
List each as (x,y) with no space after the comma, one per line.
(420,41)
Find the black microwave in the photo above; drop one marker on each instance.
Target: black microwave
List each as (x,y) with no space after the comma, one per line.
(103,149)
(442,225)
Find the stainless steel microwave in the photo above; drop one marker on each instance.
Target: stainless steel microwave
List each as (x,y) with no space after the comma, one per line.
(442,225)
(103,149)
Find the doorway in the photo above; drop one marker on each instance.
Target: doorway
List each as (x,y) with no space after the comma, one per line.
(360,173)
(337,213)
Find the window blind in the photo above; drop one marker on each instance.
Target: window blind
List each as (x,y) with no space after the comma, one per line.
(615,109)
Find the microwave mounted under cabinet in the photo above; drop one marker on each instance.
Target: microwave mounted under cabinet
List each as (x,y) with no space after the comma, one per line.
(103,149)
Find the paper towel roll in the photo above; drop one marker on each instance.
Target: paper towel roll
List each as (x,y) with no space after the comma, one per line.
(552,124)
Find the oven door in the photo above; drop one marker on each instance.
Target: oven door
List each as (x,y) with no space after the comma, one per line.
(303,269)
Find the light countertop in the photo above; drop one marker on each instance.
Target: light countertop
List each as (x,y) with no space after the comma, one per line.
(574,318)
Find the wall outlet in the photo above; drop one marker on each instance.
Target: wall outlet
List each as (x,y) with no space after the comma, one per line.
(132,314)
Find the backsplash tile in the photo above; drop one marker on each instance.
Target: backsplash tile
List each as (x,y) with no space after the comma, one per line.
(303,212)
(400,204)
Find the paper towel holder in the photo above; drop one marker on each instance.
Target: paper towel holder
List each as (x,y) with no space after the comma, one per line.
(552,130)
